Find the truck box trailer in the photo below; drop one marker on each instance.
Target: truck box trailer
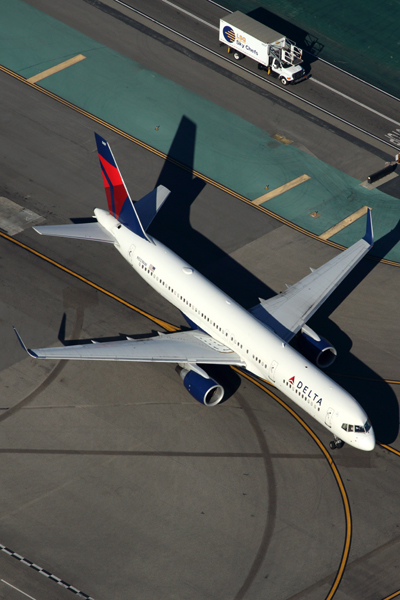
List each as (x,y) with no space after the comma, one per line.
(272,51)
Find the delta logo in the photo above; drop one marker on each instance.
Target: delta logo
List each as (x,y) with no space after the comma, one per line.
(304,389)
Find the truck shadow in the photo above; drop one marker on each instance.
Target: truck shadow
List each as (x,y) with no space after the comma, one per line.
(304,39)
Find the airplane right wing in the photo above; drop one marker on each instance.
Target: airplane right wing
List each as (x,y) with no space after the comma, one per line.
(288,312)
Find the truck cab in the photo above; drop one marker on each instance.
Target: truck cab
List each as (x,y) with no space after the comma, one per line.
(287,72)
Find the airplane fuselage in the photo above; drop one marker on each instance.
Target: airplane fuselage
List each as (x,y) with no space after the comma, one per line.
(265,354)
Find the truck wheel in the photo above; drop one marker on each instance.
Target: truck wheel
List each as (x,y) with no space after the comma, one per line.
(237,56)
(261,67)
(284,81)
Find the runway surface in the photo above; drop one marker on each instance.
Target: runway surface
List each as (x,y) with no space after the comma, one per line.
(113,478)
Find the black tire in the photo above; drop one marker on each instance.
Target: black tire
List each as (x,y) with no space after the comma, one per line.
(261,67)
(237,56)
(284,81)
(332,445)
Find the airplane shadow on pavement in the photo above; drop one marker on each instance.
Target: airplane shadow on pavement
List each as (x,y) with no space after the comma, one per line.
(173,228)
(173,225)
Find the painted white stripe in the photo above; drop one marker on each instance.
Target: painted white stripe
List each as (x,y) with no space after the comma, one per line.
(186,12)
(18,590)
(328,87)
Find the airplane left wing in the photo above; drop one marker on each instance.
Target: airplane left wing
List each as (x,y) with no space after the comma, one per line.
(288,312)
(180,347)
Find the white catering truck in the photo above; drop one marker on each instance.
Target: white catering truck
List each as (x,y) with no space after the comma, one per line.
(273,52)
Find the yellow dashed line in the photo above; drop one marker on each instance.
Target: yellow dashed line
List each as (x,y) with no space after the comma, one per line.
(56,68)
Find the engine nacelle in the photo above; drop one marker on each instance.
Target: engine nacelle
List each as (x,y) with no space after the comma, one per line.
(206,391)
(316,348)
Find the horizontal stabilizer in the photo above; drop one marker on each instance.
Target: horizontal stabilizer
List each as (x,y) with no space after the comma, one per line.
(80,231)
(148,206)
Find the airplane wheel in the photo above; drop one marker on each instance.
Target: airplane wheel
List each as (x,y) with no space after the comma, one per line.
(332,445)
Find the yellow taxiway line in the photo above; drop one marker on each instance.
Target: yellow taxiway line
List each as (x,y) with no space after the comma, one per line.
(392,450)
(56,68)
(336,474)
(160,322)
(395,595)
(281,189)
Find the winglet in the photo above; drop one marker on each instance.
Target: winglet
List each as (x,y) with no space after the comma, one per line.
(369,234)
(30,352)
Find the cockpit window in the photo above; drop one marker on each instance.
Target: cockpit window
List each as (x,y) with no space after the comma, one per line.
(357,428)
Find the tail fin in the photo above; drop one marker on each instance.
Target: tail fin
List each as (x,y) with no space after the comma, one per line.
(119,202)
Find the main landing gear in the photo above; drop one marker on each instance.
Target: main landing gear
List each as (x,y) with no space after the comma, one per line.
(336,443)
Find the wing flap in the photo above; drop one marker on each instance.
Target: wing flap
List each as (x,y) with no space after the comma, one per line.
(187,346)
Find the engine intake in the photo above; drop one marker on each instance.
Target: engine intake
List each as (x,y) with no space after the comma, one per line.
(206,391)
(317,349)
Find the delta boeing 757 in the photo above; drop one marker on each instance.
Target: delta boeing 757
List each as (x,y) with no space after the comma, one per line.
(223,332)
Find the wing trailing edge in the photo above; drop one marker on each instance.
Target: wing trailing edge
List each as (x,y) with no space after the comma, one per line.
(181,347)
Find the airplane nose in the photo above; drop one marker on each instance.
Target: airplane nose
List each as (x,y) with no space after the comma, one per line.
(368,442)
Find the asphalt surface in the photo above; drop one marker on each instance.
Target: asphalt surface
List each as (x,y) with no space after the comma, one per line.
(113,479)
(329,88)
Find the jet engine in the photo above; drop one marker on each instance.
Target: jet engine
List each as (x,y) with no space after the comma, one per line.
(201,387)
(316,348)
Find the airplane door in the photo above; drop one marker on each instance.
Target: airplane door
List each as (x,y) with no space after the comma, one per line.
(132,253)
(328,418)
(272,370)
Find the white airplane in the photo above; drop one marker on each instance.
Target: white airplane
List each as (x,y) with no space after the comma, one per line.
(223,332)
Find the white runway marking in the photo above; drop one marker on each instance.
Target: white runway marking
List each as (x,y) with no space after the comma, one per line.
(186,12)
(18,590)
(355,101)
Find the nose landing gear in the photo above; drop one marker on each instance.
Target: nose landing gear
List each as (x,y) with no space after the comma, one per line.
(336,443)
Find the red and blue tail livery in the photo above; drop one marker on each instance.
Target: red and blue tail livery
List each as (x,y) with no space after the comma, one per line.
(119,202)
